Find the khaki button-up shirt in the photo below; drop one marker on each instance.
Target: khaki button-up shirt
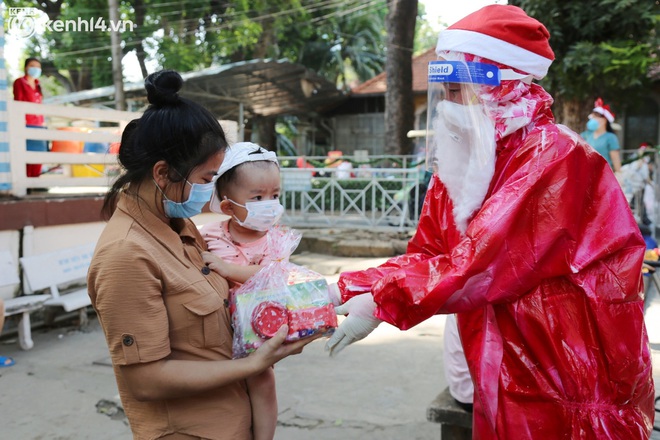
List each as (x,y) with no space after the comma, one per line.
(156,300)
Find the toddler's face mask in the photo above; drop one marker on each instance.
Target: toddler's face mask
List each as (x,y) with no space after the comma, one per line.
(261,215)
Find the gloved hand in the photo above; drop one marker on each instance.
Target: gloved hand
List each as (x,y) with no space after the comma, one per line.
(357,325)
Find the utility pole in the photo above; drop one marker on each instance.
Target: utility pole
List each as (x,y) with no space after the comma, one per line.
(117,76)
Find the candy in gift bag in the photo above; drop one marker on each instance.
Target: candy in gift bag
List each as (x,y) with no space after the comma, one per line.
(280,293)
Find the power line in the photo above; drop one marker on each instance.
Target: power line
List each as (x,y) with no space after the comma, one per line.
(227,25)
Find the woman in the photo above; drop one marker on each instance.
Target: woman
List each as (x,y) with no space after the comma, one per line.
(27,89)
(164,312)
(600,135)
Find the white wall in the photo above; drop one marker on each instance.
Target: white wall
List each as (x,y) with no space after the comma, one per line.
(52,238)
(9,240)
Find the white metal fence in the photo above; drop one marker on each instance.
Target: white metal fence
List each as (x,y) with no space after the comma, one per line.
(366,197)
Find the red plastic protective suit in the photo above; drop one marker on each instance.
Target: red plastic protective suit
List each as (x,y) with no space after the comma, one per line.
(546,282)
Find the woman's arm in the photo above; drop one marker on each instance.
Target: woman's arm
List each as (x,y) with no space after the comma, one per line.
(235,272)
(169,379)
(18,91)
(616,160)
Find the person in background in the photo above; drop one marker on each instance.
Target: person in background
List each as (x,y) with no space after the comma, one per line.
(164,313)
(526,235)
(247,190)
(600,135)
(5,361)
(457,372)
(28,89)
(649,269)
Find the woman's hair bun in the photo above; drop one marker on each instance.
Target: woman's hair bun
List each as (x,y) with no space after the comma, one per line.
(162,87)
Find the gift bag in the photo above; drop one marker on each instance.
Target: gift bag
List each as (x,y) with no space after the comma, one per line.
(280,293)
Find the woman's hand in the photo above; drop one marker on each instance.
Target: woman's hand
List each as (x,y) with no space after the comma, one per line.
(274,349)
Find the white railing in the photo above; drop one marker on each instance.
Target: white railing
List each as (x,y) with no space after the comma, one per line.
(363,198)
(103,163)
(85,170)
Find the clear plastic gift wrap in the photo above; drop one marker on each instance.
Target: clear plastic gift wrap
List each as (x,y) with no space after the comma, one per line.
(280,293)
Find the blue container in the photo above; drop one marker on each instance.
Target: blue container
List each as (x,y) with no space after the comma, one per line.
(96,147)
(36,145)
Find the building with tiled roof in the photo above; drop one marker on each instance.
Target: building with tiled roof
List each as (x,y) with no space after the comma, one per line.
(359,122)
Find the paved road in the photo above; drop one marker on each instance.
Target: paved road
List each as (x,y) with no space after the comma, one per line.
(376,389)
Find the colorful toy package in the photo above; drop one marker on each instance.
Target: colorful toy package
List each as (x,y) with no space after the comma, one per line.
(280,293)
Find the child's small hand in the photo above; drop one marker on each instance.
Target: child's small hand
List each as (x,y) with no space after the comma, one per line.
(215,263)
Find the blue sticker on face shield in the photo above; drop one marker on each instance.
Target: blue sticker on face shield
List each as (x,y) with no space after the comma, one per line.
(460,72)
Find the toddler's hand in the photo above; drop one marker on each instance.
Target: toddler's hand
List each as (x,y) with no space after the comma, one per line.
(215,263)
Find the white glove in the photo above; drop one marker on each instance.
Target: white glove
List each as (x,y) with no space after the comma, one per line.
(357,325)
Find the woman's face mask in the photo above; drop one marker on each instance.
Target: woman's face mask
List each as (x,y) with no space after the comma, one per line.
(592,124)
(200,194)
(34,72)
(261,215)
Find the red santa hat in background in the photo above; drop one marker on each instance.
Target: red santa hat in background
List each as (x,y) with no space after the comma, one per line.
(603,109)
(502,33)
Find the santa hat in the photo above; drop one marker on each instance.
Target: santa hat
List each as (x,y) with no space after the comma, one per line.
(502,33)
(603,109)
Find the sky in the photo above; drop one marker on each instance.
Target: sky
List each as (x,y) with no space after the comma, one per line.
(439,13)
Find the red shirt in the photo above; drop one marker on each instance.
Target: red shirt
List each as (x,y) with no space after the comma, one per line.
(23,91)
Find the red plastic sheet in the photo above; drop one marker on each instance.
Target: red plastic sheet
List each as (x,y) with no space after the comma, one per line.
(547,284)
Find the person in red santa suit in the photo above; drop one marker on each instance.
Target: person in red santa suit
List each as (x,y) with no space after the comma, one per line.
(526,235)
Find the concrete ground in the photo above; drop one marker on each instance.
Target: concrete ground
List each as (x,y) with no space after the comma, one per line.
(378,388)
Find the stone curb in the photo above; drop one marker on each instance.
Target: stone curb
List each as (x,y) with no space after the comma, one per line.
(354,242)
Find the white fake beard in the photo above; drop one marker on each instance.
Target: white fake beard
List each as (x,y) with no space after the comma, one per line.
(465,171)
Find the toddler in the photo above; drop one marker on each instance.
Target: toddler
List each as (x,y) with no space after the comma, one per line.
(247,190)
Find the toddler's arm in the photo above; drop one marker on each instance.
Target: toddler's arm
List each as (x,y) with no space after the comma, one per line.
(232,271)
(263,398)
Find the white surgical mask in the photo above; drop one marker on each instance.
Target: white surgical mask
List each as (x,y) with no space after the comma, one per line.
(455,115)
(261,215)
(34,72)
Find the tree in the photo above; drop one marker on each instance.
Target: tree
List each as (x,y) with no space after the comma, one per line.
(602,48)
(399,105)
(337,38)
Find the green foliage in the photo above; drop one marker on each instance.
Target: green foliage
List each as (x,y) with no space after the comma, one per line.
(602,47)
(337,38)
(425,36)
(358,38)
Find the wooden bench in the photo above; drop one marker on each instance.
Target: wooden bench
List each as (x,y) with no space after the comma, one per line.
(455,422)
(23,305)
(64,274)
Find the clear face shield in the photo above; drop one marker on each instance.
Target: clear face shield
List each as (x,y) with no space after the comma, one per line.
(460,129)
